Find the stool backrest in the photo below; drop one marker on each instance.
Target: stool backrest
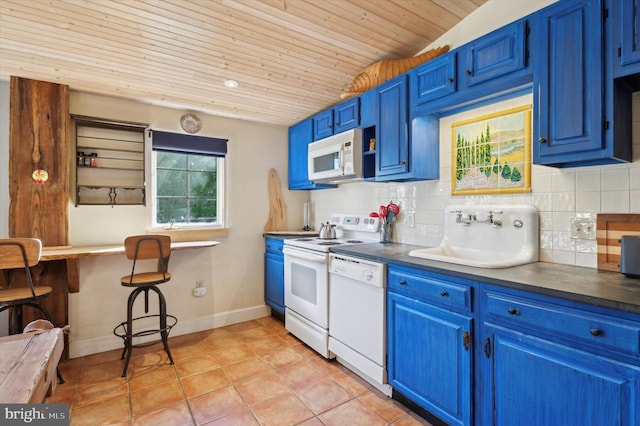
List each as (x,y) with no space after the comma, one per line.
(19,252)
(141,247)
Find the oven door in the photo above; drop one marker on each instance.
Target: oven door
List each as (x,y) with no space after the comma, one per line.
(306,284)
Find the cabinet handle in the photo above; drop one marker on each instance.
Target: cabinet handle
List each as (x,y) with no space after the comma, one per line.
(542,140)
(337,124)
(468,72)
(403,282)
(403,161)
(449,80)
(514,311)
(466,340)
(444,293)
(595,332)
(487,347)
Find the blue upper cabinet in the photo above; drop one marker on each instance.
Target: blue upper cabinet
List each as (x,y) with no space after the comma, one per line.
(342,117)
(580,118)
(568,80)
(407,149)
(300,136)
(368,108)
(498,53)
(323,124)
(433,80)
(346,115)
(492,66)
(626,37)
(393,135)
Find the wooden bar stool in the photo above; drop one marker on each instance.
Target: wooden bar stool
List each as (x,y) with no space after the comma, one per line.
(21,253)
(144,247)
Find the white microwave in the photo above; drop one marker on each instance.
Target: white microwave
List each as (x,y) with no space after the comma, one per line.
(337,157)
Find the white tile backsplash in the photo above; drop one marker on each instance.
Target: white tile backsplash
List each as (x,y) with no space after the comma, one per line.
(558,194)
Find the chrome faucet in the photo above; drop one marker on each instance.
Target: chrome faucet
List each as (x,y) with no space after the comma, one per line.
(496,223)
(468,220)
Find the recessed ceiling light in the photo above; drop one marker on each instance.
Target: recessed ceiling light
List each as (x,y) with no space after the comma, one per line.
(231,84)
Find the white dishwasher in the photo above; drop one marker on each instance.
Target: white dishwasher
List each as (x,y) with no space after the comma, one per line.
(357,317)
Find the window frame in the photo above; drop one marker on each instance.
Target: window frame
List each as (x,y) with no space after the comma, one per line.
(220,198)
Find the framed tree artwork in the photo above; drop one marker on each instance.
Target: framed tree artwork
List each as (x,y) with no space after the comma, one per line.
(491,154)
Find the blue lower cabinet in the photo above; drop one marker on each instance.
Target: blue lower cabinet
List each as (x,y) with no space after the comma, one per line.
(537,382)
(274,274)
(430,353)
(545,361)
(471,353)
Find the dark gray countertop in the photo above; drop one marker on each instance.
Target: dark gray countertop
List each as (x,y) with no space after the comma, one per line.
(586,285)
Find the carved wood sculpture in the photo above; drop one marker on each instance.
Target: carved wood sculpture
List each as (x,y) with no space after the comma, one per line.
(384,70)
(277,208)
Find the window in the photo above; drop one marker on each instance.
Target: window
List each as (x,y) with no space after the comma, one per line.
(189,180)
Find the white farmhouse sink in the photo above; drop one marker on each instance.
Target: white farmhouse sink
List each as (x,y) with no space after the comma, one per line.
(488,236)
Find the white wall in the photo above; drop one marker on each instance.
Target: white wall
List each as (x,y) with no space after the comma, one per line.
(232,271)
(558,194)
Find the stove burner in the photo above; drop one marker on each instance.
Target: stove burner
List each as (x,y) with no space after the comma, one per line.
(354,241)
(329,243)
(305,239)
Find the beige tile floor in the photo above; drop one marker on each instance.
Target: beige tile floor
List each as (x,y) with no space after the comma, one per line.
(253,373)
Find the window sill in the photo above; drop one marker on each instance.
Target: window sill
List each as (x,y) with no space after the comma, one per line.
(192,234)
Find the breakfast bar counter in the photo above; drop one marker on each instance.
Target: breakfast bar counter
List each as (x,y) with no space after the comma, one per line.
(70,252)
(71,255)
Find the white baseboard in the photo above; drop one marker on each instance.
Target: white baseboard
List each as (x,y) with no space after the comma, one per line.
(78,348)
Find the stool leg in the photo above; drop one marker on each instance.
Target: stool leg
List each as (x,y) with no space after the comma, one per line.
(163,322)
(129,339)
(15,324)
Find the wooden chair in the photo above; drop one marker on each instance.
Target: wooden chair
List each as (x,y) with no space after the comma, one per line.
(145,247)
(21,253)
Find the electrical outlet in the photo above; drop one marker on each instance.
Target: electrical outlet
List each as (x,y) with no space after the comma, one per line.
(199,291)
(199,283)
(583,228)
(410,218)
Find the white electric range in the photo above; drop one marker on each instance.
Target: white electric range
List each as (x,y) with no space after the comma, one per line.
(306,276)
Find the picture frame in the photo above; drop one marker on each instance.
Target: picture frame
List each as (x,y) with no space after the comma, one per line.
(491,154)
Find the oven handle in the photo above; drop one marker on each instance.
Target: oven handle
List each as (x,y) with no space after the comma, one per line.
(298,254)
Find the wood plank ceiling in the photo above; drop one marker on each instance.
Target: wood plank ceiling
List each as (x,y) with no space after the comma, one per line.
(291,58)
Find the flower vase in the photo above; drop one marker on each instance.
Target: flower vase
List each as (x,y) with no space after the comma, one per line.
(386,233)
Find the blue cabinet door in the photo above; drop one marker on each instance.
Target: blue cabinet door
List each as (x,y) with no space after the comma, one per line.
(568,81)
(498,53)
(433,80)
(535,382)
(393,135)
(624,30)
(368,108)
(630,46)
(346,115)
(430,357)
(323,124)
(274,281)
(274,274)
(300,136)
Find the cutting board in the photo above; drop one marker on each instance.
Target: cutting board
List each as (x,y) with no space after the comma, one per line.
(277,208)
(609,228)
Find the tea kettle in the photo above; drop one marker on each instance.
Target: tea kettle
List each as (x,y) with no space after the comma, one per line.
(327,232)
